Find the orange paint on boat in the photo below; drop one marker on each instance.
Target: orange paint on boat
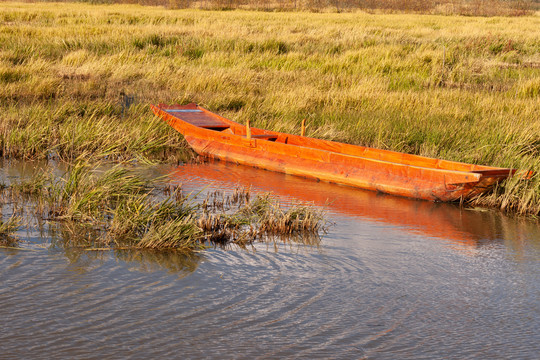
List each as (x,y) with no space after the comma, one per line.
(384,171)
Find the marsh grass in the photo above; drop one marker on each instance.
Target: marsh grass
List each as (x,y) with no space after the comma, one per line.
(164,224)
(518,195)
(84,192)
(65,129)
(8,229)
(93,205)
(241,219)
(104,207)
(451,87)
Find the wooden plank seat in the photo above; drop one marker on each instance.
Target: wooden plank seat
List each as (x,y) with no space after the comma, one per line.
(199,118)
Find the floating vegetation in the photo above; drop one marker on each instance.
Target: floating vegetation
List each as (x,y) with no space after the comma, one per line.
(117,208)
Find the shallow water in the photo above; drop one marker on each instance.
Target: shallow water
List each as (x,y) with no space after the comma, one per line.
(393,278)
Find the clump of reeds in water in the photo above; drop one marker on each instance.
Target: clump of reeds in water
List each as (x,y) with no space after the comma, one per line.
(111,208)
(505,196)
(243,219)
(118,208)
(7,230)
(143,222)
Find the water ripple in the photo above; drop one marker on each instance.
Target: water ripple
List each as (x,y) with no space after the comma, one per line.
(373,289)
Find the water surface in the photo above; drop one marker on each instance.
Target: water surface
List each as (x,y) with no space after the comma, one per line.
(393,278)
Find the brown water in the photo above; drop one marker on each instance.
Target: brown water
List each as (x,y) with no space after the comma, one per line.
(393,279)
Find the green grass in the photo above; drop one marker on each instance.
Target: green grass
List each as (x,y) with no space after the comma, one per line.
(452,87)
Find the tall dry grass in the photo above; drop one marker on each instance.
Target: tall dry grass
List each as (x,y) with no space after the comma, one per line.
(459,88)
(440,7)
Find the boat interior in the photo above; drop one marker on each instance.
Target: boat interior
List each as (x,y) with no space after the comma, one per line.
(203,118)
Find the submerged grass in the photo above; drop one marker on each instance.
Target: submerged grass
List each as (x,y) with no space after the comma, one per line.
(78,78)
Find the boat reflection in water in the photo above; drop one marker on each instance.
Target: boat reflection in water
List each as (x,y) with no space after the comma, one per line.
(470,228)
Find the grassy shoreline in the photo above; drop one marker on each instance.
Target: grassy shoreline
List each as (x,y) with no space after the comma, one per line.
(458,88)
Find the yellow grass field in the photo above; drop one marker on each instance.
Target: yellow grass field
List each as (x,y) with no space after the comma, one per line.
(458,88)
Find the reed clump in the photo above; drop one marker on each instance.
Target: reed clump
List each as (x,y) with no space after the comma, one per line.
(160,225)
(77,79)
(86,192)
(121,205)
(114,207)
(98,207)
(242,219)
(8,229)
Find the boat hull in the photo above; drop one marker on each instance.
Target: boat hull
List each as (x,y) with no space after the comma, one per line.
(345,164)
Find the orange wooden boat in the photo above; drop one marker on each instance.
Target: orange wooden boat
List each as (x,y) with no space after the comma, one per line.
(384,171)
